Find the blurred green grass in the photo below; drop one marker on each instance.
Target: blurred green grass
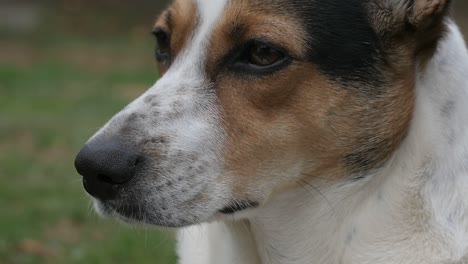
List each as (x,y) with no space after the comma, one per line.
(56,90)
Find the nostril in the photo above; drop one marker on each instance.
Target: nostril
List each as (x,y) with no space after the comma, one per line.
(104,178)
(138,160)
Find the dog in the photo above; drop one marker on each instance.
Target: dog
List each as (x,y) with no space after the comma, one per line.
(296,132)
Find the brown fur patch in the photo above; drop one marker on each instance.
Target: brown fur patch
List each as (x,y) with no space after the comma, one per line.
(298,117)
(424,12)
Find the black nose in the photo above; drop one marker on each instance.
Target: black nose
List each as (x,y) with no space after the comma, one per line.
(105,167)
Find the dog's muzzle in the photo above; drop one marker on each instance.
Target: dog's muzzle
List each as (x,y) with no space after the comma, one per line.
(106,167)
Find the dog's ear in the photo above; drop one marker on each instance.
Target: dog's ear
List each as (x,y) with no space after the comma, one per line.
(423,14)
(420,18)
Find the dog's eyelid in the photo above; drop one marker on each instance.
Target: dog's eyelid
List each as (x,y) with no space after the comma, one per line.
(268,42)
(277,44)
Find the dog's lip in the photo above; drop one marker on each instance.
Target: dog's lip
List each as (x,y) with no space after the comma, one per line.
(238,206)
(135,214)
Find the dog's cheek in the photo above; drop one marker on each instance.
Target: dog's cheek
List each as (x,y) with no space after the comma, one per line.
(263,134)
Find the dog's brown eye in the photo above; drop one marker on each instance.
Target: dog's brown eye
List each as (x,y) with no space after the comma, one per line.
(257,57)
(163,48)
(263,55)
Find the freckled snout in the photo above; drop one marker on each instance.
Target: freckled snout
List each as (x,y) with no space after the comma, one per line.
(105,168)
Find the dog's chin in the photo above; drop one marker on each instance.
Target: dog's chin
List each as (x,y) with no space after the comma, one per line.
(132,215)
(136,215)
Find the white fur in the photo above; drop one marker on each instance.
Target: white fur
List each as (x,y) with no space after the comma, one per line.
(414,210)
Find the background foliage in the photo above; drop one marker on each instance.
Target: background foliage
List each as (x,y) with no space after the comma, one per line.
(65,68)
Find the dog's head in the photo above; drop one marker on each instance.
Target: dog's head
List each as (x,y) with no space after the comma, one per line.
(260,96)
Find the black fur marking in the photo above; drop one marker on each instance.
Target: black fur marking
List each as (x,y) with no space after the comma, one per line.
(343,43)
(341,40)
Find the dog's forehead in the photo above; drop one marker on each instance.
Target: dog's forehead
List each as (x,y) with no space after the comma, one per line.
(209,13)
(210,10)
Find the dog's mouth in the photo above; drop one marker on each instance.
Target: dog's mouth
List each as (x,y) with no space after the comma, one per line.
(238,206)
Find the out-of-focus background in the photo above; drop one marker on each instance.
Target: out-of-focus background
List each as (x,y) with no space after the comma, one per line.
(66,66)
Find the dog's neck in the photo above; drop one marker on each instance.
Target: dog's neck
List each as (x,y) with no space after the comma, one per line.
(413,210)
